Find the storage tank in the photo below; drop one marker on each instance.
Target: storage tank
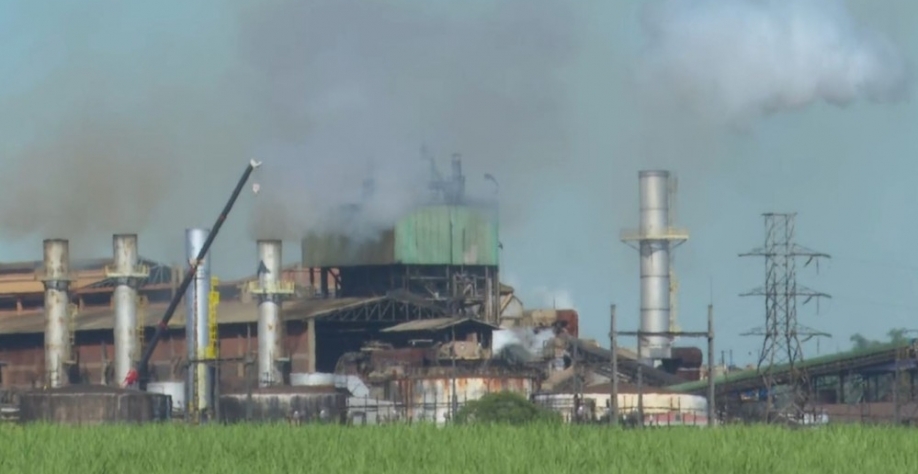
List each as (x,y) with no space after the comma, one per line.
(176,390)
(429,398)
(317,379)
(92,405)
(279,404)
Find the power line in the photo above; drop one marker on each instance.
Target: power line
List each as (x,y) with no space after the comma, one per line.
(782,334)
(877,303)
(875,263)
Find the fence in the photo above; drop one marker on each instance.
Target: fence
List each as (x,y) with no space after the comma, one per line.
(595,409)
(376,411)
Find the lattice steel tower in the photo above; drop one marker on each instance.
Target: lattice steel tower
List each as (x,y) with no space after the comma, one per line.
(782,334)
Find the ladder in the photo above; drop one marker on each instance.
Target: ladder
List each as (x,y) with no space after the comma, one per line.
(72,311)
(142,302)
(192,405)
(213,301)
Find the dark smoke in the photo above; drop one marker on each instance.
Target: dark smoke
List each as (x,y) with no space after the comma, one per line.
(376,80)
(142,120)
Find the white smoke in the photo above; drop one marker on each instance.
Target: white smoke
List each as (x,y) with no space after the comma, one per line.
(737,60)
(531,339)
(554,298)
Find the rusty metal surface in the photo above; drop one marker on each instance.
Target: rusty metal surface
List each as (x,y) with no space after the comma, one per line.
(230,312)
(24,355)
(691,357)
(430,398)
(437,324)
(410,355)
(292,404)
(92,405)
(570,321)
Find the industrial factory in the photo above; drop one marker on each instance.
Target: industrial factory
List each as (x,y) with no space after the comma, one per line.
(406,327)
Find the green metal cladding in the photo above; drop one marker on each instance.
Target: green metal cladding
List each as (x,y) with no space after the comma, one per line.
(432,235)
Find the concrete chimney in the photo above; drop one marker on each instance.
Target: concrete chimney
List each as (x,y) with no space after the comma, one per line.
(197,331)
(127,274)
(56,279)
(270,292)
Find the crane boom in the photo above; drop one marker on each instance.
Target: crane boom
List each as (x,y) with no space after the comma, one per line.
(138,373)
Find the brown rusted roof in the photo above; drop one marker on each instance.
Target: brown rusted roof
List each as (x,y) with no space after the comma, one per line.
(436,324)
(229,312)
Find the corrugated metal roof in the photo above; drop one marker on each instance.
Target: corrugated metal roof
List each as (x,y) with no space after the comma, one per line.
(429,235)
(435,324)
(75,264)
(229,312)
(809,364)
(447,235)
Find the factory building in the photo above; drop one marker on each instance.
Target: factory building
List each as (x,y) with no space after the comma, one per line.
(91,320)
(408,325)
(442,256)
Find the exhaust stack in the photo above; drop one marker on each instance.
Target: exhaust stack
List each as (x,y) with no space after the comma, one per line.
(655,238)
(271,290)
(58,315)
(197,330)
(127,274)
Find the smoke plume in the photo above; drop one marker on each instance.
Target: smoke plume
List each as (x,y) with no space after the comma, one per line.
(521,345)
(734,61)
(141,120)
(377,80)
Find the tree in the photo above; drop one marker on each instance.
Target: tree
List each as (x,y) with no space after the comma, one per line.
(504,408)
(896,336)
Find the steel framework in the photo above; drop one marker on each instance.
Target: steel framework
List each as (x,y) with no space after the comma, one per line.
(782,336)
(613,361)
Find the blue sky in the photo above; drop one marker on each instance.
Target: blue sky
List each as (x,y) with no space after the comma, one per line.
(846,171)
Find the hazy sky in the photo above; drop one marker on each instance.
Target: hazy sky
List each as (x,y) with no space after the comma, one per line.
(153,109)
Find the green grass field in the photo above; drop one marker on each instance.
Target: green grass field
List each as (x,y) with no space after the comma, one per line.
(178,449)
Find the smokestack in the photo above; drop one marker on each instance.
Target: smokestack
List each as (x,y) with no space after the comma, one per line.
(127,274)
(197,331)
(56,279)
(655,238)
(270,290)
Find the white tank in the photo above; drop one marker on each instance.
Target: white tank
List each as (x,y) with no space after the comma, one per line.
(299,379)
(176,390)
(318,379)
(321,380)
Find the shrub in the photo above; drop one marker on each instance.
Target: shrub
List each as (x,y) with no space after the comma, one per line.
(504,408)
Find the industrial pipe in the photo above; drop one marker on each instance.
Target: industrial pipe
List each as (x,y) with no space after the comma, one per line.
(127,274)
(197,330)
(139,372)
(270,325)
(56,280)
(654,187)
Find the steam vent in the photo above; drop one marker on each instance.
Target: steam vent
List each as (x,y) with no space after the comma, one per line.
(92,405)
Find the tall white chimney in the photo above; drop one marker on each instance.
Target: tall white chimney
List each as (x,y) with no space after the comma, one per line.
(270,323)
(655,239)
(127,274)
(200,380)
(56,278)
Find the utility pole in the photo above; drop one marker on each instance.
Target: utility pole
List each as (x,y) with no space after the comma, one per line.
(614,334)
(782,336)
(613,382)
